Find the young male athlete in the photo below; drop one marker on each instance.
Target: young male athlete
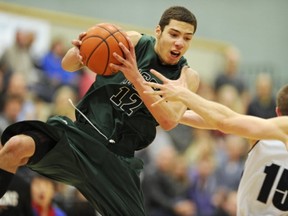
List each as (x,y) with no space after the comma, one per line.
(264,185)
(114,119)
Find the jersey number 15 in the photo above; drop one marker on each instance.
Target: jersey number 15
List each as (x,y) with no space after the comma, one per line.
(280,196)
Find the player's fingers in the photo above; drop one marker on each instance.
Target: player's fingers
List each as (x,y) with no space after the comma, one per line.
(76,43)
(159,75)
(115,67)
(131,47)
(119,58)
(80,59)
(82,35)
(157,102)
(126,51)
(152,84)
(154,92)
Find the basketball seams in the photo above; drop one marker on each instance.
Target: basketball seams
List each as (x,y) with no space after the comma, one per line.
(113,35)
(124,36)
(93,51)
(107,45)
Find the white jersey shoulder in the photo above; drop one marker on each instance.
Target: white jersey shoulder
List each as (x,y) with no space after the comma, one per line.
(263,189)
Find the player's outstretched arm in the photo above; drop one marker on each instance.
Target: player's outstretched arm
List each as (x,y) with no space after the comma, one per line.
(217,116)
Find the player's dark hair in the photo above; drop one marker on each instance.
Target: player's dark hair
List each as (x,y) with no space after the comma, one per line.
(178,13)
(282,100)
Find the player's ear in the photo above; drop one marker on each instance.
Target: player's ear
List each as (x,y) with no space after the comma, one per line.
(158,31)
(278,112)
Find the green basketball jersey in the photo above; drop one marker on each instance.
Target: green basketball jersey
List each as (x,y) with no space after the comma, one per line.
(116,109)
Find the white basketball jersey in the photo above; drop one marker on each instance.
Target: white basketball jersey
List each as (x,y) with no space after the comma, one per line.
(263,189)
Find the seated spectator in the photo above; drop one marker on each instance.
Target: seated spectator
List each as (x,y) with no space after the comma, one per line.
(43,192)
(18,59)
(228,205)
(54,76)
(231,74)
(80,206)
(12,107)
(162,195)
(203,185)
(229,171)
(263,103)
(86,79)
(61,104)
(17,85)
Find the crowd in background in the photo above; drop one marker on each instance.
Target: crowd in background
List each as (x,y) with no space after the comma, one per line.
(188,172)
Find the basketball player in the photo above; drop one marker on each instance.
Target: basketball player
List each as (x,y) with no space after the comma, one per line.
(113,120)
(264,185)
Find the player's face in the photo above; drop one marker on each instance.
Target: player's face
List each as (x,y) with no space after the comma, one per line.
(173,41)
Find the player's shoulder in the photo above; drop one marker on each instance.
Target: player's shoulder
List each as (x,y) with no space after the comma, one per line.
(134,36)
(191,71)
(193,78)
(269,145)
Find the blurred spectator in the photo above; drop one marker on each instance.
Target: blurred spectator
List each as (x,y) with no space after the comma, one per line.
(228,205)
(230,169)
(149,155)
(87,77)
(4,75)
(181,136)
(202,144)
(263,103)
(186,206)
(43,192)
(80,206)
(63,195)
(12,106)
(162,195)
(42,108)
(17,85)
(61,104)
(17,200)
(228,96)
(17,57)
(207,91)
(230,75)
(54,76)
(203,185)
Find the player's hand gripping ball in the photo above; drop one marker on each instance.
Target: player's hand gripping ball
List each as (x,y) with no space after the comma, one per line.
(98,46)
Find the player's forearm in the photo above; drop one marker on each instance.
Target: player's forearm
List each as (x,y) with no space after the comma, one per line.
(211,112)
(255,128)
(192,119)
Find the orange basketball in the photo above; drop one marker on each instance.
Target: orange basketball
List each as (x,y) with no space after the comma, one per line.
(98,46)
